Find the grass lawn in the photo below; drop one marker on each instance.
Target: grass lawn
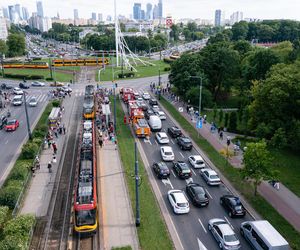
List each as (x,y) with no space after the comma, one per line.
(152,231)
(234,176)
(143,71)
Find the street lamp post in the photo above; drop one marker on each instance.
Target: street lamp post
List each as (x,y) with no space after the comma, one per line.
(115,86)
(137,196)
(200,95)
(2,65)
(27,117)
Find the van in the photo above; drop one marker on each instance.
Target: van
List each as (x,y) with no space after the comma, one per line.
(17,100)
(154,123)
(262,235)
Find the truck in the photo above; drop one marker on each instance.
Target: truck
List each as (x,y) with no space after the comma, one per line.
(140,125)
(127,95)
(132,108)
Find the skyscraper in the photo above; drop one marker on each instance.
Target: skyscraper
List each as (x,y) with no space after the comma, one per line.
(76,16)
(100,17)
(39,7)
(137,11)
(160,9)
(94,16)
(18,11)
(3,27)
(148,11)
(5,13)
(155,12)
(219,17)
(143,15)
(236,17)
(25,13)
(11,11)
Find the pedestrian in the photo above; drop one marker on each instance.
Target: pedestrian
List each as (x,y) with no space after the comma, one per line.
(49,167)
(116,143)
(125,119)
(54,159)
(55,133)
(221,135)
(64,129)
(32,170)
(49,143)
(54,147)
(100,142)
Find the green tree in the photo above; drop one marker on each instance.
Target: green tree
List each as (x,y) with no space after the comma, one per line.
(233,121)
(283,50)
(16,45)
(257,163)
(243,47)
(3,47)
(221,116)
(175,31)
(192,26)
(265,33)
(226,119)
(240,30)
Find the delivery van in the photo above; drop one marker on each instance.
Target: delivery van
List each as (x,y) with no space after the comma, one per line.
(155,123)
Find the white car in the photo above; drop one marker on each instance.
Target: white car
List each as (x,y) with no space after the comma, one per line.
(146,96)
(167,153)
(210,176)
(223,234)
(162,138)
(33,102)
(139,99)
(38,84)
(155,108)
(87,125)
(161,115)
(178,201)
(18,91)
(196,161)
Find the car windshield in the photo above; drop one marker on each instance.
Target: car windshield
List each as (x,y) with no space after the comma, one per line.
(186,140)
(199,162)
(230,238)
(185,171)
(168,153)
(213,176)
(33,99)
(85,217)
(199,190)
(11,122)
(182,204)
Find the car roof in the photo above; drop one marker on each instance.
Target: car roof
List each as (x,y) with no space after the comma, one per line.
(226,229)
(162,134)
(167,148)
(179,196)
(197,157)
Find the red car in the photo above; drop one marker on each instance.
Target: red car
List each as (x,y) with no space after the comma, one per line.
(12,125)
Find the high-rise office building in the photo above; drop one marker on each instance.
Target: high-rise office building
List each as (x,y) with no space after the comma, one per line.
(155,12)
(39,7)
(160,9)
(143,15)
(3,27)
(18,11)
(5,13)
(219,17)
(76,16)
(11,11)
(149,11)
(25,13)
(100,17)
(236,17)
(108,18)
(94,16)
(137,11)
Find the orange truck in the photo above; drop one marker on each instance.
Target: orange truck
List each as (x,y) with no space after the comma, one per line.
(140,124)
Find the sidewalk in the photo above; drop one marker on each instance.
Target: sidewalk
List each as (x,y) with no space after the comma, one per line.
(39,192)
(117,218)
(283,200)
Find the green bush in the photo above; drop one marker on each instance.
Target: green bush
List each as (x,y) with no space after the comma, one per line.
(29,150)
(20,171)
(3,215)
(168,60)
(226,120)
(167,68)
(233,121)
(23,76)
(56,103)
(21,225)
(36,77)
(9,194)
(49,79)
(39,133)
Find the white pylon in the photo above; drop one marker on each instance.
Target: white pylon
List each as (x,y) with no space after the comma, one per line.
(116,35)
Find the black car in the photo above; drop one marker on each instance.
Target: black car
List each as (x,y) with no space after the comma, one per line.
(6,86)
(184,143)
(3,121)
(174,132)
(153,101)
(148,113)
(233,205)
(182,170)
(197,194)
(161,170)
(23,86)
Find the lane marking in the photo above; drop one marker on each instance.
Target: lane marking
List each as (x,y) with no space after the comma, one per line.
(156,142)
(201,245)
(189,180)
(167,182)
(229,222)
(147,141)
(193,171)
(172,141)
(173,173)
(202,225)
(181,154)
(6,142)
(208,194)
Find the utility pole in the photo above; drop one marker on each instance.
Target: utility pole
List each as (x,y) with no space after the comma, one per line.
(115,116)
(50,68)
(27,118)
(2,64)
(137,196)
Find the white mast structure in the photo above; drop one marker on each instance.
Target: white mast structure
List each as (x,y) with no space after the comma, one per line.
(122,47)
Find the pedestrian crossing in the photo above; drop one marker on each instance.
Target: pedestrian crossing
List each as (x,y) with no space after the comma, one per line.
(39,97)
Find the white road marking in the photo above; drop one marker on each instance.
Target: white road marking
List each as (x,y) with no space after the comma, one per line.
(172,141)
(156,142)
(193,171)
(167,182)
(173,173)
(200,244)
(202,225)
(208,194)
(181,154)
(6,142)
(147,141)
(189,180)
(186,196)
(164,130)
(228,222)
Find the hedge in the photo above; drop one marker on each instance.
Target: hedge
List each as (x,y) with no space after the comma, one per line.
(23,76)
(125,75)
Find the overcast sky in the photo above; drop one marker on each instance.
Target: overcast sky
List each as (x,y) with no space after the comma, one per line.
(262,9)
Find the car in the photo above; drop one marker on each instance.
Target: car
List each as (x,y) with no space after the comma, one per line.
(23,85)
(178,201)
(166,153)
(3,121)
(197,194)
(182,170)
(56,84)
(142,105)
(6,86)
(17,100)
(233,205)
(161,170)
(155,108)
(223,234)
(162,138)
(67,89)
(210,177)
(18,91)
(139,99)
(196,161)
(12,125)
(38,84)
(174,132)
(148,113)
(153,101)
(136,95)
(184,143)
(161,115)
(146,96)
(33,102)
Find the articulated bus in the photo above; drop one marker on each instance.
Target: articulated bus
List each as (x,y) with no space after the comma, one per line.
(80,62)
(25,65)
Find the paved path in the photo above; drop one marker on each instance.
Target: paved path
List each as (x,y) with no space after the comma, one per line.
(117,218)
(283,200)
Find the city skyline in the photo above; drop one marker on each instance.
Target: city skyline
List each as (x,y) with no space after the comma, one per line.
(203,9)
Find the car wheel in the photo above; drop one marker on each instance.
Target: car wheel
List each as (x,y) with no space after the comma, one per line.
(230,214)
(181,147)
(220,245)
(221,201)
(209,227)
(242,232)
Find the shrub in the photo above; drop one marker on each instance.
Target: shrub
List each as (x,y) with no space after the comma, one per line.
(24,76)
(40,132)
(20,171)
(233,121)
(49,79)
(9,194)
(3,215)
(167,68)
(226,120)
(56,103)
(168,60)
(221,115)
(21,226)
(29,150)
(36,77)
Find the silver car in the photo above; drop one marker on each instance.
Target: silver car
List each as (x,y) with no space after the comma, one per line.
(33,102)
